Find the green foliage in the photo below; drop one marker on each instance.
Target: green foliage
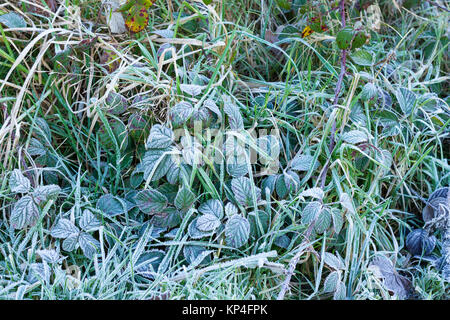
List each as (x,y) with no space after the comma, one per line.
(130,165)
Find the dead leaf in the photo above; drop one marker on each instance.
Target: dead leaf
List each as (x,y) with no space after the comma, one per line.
(384,269)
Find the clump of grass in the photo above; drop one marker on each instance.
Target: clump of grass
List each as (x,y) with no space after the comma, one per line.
(79,107)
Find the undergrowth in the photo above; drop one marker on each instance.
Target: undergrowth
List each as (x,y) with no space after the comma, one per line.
(222,152)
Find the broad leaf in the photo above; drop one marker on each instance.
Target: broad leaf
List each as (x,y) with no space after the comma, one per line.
(311,212)
(36,148)
(151,201)
(234,115)
(338,220)
(346,202)
(331,282)
(88,221)
(383,268)
(180,113)
(64,229)
(362,57)
(313,192)
(137,19)
(49,256)
(333,261)
(323,221)
(208,222)
(211,105)
(13,20)
(42,194)
(237,231)
(24,213)
(156,163)
(88,244)
(18,183)
(196,233)
(243,192)
(406,99)
(70,243)
(355,137)
(303,162)
(212,206)
(230,209)
(160,137)
(184,199)
(195,255)
(111,205)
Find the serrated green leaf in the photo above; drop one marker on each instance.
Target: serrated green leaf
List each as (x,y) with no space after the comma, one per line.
(338,220)
(208,222)
(406,99)
(180,113)
(242,191)
(369,92)
(43,194)
(24,213)
(234,115)
(230,209)
(346,202)
(116,103)
(156,162)
(311,211)
(111,205)
(212,206)
(303,162)
(184,199)
(333,261)
(70,243)
(196,233)
(340,293)
(18,183)
(151,201)
(237,231)
(88,221)
(88,244)
(355,137)
(313,192)
(13,20)
(195,255)
(269,183)
(331,282)
(323,221)
(362,57)
(160,137)
(64,229)
(36,148)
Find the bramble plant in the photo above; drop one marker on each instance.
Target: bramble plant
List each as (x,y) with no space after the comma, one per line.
(279,149)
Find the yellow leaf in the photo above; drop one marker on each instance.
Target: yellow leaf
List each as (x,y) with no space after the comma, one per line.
(137,19)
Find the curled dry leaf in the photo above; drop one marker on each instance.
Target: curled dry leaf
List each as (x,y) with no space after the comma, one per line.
(392,280)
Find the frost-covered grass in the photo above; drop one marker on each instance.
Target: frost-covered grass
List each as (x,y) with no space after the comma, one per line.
(106,213)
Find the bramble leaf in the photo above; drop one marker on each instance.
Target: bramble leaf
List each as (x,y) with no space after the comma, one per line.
(237,231)
(18,183)
(151,201)
(24,213)
(137,19)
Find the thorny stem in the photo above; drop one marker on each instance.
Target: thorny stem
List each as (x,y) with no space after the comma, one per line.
(294,261)
(336,97)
